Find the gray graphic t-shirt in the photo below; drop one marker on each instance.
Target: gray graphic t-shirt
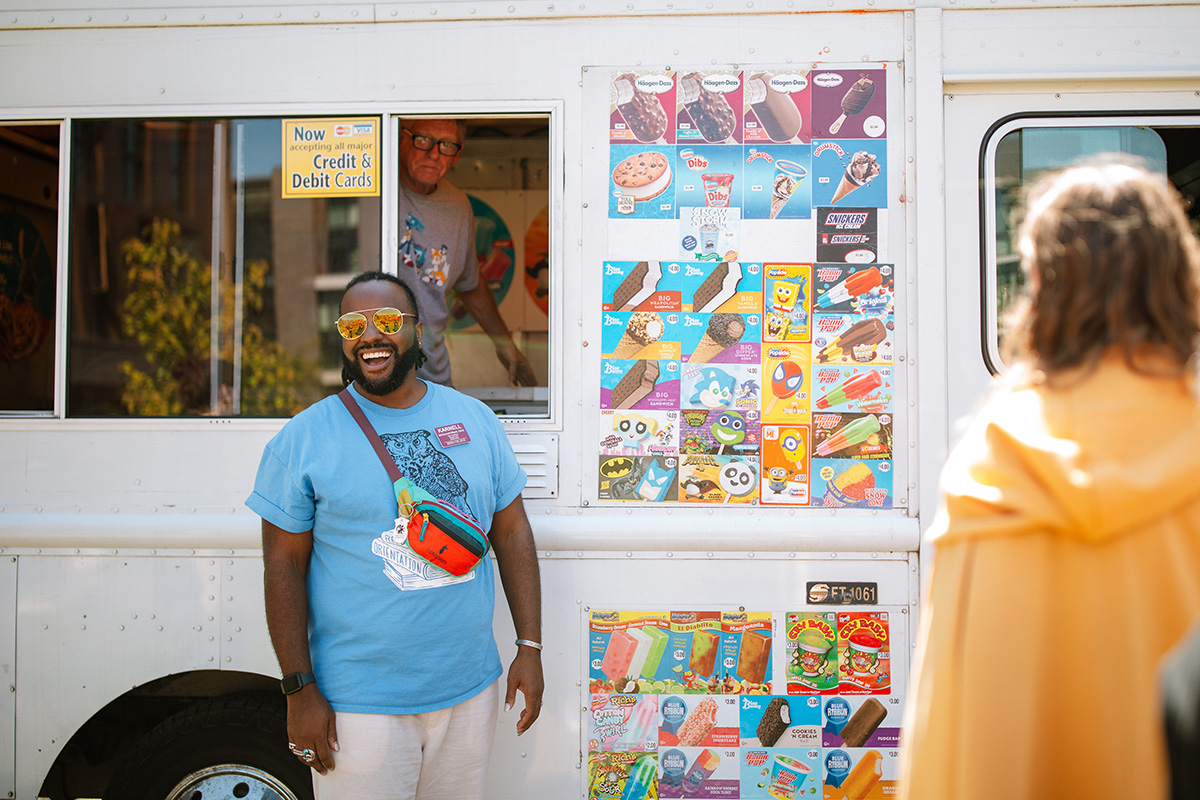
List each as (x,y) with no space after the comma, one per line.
(437,253)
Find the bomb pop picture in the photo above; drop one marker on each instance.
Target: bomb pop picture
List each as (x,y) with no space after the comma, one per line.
(853,433)
(867,333)
(856,285)
(856,386)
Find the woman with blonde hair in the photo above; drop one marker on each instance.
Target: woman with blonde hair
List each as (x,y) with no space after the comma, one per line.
(1067,540)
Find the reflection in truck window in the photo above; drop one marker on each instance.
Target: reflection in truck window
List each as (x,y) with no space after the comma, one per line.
(1025,154)
(28,267)
(196,287)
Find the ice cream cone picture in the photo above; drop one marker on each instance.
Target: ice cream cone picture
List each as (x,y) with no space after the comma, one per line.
(644,329)
(788,175)
(862,170)
(854,102)
(724,331)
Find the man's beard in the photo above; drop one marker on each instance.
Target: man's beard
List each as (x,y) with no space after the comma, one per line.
(404,363)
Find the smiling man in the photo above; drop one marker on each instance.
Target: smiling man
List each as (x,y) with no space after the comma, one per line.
(390,668)
(437,246)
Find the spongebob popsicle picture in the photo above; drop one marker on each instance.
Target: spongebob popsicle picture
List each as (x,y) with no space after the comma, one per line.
(787,302)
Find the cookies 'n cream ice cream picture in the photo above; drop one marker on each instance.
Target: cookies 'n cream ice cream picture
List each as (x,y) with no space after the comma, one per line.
(862,169)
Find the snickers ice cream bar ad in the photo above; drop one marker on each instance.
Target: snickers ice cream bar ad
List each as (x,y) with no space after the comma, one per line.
(847,235)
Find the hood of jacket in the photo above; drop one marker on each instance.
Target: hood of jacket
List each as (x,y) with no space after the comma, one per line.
(1090,460)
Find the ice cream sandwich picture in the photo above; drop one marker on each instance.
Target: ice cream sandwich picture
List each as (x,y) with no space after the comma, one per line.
(642,176)
(718,287)
(636,385)
(638,286)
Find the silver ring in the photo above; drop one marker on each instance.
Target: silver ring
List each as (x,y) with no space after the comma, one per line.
(306,754)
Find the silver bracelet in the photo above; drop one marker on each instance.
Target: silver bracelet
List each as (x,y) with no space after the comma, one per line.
(529,643)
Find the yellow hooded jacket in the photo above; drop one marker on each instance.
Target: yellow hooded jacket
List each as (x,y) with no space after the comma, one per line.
(1067,563)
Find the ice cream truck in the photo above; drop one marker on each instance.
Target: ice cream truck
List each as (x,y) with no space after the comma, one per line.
(757,252)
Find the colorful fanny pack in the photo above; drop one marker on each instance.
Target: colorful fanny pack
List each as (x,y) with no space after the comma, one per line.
(437,532)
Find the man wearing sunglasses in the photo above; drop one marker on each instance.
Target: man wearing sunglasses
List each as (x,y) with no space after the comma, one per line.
(390,667)
(437,247)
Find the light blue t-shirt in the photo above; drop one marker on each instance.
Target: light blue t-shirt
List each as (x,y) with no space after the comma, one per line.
(386,637)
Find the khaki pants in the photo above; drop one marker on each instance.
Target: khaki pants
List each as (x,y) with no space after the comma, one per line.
(439,755)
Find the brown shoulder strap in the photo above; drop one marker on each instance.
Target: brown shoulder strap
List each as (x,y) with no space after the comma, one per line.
(355,411)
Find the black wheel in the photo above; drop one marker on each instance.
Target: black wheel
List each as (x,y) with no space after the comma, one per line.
(228,748)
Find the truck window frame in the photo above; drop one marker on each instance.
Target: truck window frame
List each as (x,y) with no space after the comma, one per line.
(990,315)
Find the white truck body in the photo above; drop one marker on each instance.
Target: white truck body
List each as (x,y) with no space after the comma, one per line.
(126,553)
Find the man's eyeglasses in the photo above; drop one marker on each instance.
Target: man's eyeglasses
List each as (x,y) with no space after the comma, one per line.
(444,146)
(387,321)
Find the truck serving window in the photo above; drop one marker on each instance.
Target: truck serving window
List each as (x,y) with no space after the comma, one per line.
(1020,151)
(28,267)
(208,257)
(504,170)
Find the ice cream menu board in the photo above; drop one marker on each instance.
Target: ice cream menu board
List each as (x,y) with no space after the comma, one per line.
(730,380)
(692,704)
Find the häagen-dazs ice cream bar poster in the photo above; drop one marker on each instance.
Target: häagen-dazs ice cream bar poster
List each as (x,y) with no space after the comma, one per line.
(709,106)
(776,106)
(849,104)
(642,107)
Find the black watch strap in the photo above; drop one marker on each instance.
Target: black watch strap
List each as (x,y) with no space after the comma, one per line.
(296,681)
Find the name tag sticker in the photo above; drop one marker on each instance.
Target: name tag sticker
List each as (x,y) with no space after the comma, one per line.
(450,435)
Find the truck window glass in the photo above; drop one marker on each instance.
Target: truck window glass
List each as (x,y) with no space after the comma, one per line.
(1028,149)
(504,170)
(196,287)
(28,267)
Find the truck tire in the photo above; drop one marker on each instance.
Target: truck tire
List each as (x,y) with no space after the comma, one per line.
(226,748)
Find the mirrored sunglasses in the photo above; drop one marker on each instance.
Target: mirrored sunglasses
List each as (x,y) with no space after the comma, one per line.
(353,324)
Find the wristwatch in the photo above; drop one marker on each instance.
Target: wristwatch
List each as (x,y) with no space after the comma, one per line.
(296,681)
